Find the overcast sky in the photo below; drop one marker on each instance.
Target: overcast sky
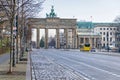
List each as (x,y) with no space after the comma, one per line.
(100,10)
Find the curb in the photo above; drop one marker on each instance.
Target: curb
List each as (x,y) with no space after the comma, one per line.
(107,53)
(28,71)
(99,53)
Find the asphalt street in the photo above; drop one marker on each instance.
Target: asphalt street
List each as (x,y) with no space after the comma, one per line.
(91,66)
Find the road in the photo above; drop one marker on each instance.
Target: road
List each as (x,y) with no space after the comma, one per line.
(91,66)
(3,58)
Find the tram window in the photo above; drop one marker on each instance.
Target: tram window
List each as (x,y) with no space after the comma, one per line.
(87,45)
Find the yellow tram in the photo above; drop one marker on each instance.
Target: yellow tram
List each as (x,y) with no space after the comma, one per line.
(85,47)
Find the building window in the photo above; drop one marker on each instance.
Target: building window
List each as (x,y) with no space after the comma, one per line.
(100,28)
(117,39)
(110,38)
(103,33)
(100,32)
(107,39)
(103,44)
(114,28)
(107,28)
(107,35)
(104,28)
(81,40)
(86,40)
(103,38)
(107,44)
(110,33)
(110,28)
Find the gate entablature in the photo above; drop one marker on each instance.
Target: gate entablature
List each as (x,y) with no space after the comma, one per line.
(52,23)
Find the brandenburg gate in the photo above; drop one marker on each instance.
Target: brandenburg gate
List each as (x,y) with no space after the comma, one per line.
(53,22)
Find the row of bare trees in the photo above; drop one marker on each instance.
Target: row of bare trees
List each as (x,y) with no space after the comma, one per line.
(117,35)
(16,13)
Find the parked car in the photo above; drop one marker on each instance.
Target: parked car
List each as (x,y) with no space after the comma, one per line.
(93,50)
(107,48)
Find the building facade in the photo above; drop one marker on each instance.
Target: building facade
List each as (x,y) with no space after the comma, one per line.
(86,34)
(107,31)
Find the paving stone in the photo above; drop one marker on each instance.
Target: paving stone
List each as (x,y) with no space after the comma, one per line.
(45,69)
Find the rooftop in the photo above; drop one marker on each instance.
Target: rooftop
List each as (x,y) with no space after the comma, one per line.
(90,25)
(84,25)
(105,24)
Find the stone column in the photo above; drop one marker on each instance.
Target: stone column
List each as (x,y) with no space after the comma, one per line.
(95,42)
(29,37)
(73,42)
(78,41)
(46,38)
(66,36)
(58,38)
(38,38)
(90,41)
(73,36)
(30,34)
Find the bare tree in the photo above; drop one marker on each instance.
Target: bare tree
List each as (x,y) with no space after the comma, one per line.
(117,34)
(9,7)
(117,19)
(21,9)
(28,8)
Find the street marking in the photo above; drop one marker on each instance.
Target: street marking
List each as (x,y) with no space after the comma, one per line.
(108,72)
(82,74)
(93,67)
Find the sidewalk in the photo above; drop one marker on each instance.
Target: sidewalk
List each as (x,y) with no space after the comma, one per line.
(98,52)
(108,53)
(19,72)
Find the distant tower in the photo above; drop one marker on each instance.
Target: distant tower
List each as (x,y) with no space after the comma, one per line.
(52,14)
